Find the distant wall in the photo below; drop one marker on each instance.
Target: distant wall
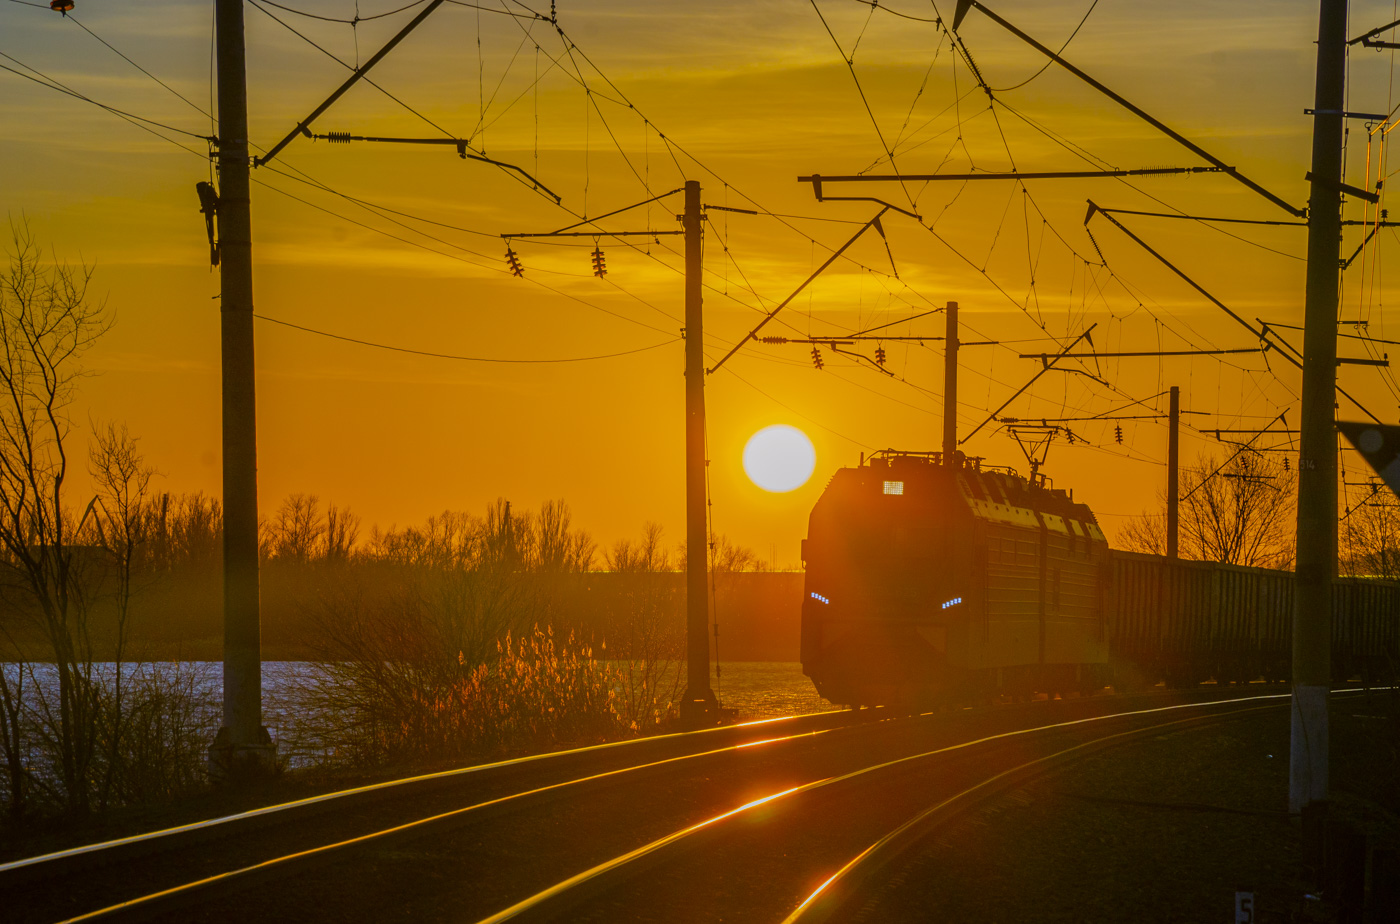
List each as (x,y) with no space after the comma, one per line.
(759,613)
(178,614)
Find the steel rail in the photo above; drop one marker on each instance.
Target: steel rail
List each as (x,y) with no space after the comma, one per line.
(814,909)
(217,825)
(182,894)
(822,905)
(185,889)
(263,811)
(538,906)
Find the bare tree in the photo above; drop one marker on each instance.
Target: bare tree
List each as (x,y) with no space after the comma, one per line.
(122,522)
(1145,533)
(296,530)
(1240,512)
(47,323)
(726,556)
(342,531)
(195,525)
(121,516)
(645,555)
(558,548)
(469,574)
(649,632)
(13,732)
(1370,537)
(301,533)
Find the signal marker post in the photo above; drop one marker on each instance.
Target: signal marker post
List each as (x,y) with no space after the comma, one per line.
(699,707)
(950,385)
(1173,469)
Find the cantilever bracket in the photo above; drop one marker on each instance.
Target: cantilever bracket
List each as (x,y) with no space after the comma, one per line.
(303,127)
(816,181)
(1336,186)
(1365,116)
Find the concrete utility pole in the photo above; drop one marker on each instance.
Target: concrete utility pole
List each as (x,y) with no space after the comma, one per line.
(1173,470)
(1317,476)
(950,385)
(699,706)
(242,747)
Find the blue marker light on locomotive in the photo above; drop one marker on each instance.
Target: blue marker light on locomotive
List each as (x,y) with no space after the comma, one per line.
(819,597)
(953,602)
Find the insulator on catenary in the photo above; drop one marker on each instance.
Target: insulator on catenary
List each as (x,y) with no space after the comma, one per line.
(817,358)
(772,339)
(600,269)
(1118,434)
(880,355)
(338,137)
(513,262)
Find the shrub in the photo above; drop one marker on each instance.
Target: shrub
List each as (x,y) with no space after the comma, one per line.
(537,692)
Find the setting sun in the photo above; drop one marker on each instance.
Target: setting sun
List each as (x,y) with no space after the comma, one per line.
(779,458)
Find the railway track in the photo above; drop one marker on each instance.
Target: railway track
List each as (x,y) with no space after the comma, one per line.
(739,823)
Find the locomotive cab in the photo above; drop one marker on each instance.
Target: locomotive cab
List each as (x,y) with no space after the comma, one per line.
(929,581)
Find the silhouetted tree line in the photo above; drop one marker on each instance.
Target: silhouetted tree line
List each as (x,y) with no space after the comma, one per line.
(464,635)
(423,632)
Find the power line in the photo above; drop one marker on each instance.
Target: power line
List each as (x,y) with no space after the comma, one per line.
(492,265)
(55,85)
(348,22)
(623,100)
(579,78)
(570,49)
(471,231)
(336,58)
(195,106)
(1047,64)
(1088,157)
(1135,110)
(472,359)
(789,408)
(309,180)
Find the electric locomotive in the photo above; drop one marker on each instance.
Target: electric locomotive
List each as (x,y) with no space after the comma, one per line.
(932,580)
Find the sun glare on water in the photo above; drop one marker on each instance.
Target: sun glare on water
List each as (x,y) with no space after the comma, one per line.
(779,458)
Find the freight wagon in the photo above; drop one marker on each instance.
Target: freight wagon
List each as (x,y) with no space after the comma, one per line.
(929,582)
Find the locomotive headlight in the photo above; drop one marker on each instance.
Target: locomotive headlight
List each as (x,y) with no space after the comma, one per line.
(894,487)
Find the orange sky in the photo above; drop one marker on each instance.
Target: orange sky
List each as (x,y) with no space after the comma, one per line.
(748,96)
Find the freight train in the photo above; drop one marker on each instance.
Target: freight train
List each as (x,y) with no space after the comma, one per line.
(932,580)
